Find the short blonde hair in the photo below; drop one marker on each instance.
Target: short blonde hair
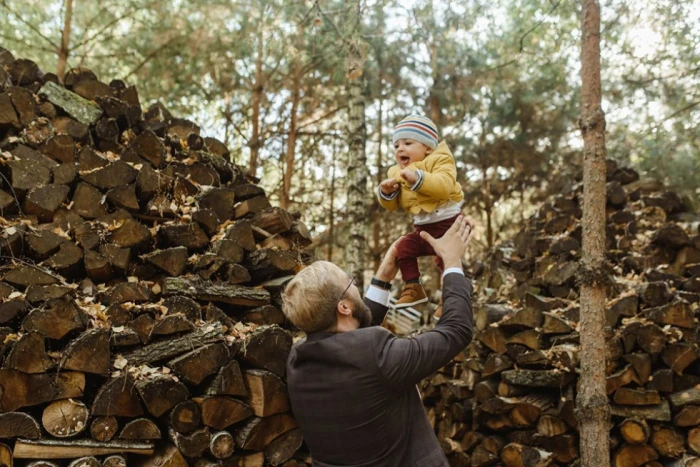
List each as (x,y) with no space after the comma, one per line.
(309,300)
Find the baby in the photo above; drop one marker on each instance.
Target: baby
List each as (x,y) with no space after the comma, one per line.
(424,184)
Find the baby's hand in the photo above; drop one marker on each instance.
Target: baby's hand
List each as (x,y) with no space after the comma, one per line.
(389,186)
(411,176)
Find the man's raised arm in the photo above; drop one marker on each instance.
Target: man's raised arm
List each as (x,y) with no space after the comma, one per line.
(404,362)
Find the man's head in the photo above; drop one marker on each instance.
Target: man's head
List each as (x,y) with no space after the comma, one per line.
(322,297)
(414,138)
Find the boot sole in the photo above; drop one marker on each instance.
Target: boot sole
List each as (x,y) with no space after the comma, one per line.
(400,306)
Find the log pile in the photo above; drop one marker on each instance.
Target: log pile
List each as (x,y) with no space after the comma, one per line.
(140,276)
(509,399)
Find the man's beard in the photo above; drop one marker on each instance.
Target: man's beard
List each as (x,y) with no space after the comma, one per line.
(361,312)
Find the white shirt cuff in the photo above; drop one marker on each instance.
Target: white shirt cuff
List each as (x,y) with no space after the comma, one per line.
(451,270)
(377,295)
(388,197)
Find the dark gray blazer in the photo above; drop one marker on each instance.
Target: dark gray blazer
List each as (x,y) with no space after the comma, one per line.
(354,393)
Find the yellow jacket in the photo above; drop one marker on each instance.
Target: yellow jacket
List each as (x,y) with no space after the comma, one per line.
(439,183)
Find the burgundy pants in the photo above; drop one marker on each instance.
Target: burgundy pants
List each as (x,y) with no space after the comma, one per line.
(412,246)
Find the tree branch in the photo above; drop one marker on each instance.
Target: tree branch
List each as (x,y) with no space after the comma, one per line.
(537,25)
(103,29)
(150,56)
(665,119)
(29,25)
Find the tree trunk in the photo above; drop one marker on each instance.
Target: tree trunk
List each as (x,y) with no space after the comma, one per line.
(285,199)
(377,225)
(258,88)
(488,205)
(64,50)
(331,216)
(357,159)
(593,411)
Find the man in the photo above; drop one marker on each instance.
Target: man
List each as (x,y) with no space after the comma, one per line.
(352,385)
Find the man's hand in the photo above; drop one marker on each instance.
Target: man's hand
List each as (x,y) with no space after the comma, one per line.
(389,186)
(451,246)
(388,269)
(411,176)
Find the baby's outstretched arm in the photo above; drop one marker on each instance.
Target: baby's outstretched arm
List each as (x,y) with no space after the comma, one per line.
(389,186)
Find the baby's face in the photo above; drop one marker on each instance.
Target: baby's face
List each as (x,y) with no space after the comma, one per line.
(408,151)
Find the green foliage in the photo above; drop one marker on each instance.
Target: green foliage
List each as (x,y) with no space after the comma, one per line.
(500,78)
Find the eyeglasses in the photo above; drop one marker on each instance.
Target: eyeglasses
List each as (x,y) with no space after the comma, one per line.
(352,281)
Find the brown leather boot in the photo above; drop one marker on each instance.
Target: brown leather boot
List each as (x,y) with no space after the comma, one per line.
(412,294)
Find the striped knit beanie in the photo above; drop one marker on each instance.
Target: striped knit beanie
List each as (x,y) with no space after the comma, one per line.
(417,128)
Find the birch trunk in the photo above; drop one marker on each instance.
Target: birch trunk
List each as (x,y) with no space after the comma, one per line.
(357,159)
(258,88)
(285,199)
(593,411)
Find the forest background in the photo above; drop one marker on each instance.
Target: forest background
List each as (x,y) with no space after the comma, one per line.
(305,94)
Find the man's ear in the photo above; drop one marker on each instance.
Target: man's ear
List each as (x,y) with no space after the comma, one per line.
(343,308)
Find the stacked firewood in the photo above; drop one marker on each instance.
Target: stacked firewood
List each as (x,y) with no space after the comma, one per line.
(140,278)
(510,398)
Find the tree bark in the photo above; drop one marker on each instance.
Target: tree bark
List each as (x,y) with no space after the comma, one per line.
(285,199)
(64,50)
(593,411)
(357,159)
(258,88)
(331,216)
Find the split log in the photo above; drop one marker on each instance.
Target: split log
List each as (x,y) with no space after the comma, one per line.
(172,324)
(228,381)
(5,455)
(88,353)
(114,461)
(283,447)
(104,428)
(160,393)
(537,378)
(56,320)
(517,455)
(117,397)
(682,398)
(688,416)
(668,442)
(192,444)
(140,429)
(19,425)
(86,462)
(220,412)
(166,455)
(694,440)
(550,426)
(223,293)
(251,206)
(185,416)
(267,393)
(158,351)
(222,445)
(58,449)
(267,347)
(635,431)
(28,354)
(44,201)
(172,260)
(660,412)
(196,365)
(492,337)
(268,263)
(65,418)
(627,396)
(257,433)
(77,107)
(24,390)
